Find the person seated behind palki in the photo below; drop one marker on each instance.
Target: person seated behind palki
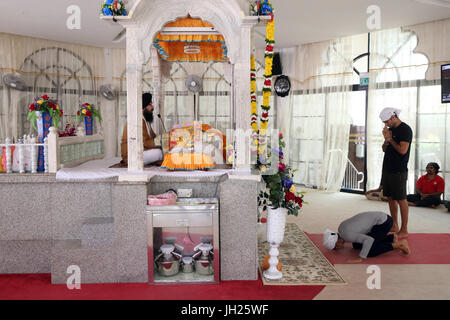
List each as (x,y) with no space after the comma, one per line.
(429,187)
(152,151)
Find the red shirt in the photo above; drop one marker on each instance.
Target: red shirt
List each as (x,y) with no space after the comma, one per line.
(430,186)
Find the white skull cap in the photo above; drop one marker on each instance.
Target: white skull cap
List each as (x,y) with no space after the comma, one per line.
(387,113)
(329,239)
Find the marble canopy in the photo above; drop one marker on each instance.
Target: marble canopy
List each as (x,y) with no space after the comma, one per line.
(145,20)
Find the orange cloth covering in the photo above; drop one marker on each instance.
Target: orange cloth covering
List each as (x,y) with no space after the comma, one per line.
(187,161)
(184,136)
(171,47)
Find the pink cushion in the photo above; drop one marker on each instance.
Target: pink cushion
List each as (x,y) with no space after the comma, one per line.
(166,198)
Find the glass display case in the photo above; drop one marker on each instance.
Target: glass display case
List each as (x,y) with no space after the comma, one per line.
(183,242)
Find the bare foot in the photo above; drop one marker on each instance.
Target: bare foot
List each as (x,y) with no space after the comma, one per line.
(403,246)
(402,234)
(354,260)
(395,237)
(394,229)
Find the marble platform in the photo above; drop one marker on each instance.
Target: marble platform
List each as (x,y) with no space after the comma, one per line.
(47,225)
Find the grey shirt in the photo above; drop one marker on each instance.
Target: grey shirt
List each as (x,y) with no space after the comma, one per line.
(357,227)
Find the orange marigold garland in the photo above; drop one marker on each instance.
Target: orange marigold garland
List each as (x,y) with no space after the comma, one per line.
(254,106)
(267,89)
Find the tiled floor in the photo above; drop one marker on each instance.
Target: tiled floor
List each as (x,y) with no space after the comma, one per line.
(398,281)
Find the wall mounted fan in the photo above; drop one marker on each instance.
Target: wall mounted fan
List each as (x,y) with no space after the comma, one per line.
(107,92)
(14,81)
(194,84)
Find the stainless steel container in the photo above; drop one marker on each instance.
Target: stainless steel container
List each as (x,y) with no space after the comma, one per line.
(168,268)
(187,264)
(199,216)
(204,267)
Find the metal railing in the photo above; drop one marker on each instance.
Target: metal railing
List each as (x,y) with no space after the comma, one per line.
(351,181)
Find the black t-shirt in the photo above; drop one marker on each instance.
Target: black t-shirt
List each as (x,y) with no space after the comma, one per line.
(393,161)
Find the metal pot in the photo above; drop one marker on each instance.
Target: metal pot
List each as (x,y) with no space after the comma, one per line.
(187,264)
(204,267)
(168,268)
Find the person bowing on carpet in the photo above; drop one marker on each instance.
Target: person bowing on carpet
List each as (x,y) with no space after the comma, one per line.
(368,232)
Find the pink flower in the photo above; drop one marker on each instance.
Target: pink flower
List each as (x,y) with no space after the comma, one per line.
(281,167)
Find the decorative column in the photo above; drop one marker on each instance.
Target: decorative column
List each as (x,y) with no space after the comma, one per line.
(242,100)
(134,100)
(157,93)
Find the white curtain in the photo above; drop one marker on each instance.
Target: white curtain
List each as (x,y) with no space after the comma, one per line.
(66,72)
(319,110)
(394,69)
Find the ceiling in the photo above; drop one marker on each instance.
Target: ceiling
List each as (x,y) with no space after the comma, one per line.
(297,21)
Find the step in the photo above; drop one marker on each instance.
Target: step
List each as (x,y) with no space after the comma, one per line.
(97,232)
(96,265)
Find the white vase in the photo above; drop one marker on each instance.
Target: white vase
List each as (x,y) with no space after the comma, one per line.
(276,223)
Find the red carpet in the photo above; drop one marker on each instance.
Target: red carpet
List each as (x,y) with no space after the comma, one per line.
(39,287)
(426,248)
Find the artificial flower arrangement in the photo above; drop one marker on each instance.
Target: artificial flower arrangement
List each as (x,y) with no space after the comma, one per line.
(88,110)
(281,188)
(114,8)
(44,104)
(261,8)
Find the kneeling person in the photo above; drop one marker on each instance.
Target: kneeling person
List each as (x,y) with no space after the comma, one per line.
(367,231)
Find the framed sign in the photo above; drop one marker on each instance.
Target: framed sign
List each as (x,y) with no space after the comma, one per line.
(445,83)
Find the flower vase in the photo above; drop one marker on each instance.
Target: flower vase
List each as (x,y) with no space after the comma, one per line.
(88,125)
(276,223)
(44,122)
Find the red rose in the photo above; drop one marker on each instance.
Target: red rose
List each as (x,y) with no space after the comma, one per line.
(32,107)
(289,196)
(268,83)
(78,113)
(52,105)
(88,113)
(61,113)
(265,115)
(263,220)
(269,48)
(45,97)
(281,167)
(298,200)
(86,104)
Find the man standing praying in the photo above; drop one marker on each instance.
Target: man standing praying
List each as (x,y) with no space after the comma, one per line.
(396,147)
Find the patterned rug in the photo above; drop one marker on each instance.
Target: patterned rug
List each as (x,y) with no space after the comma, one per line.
(302,262)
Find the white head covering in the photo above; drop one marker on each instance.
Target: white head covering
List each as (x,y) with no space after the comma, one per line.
(329,239)
(387,113)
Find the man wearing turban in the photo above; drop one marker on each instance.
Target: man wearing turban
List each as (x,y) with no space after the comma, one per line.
(152,153)
(396,148)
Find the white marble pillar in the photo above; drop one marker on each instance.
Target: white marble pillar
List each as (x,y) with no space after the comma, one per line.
(134,100)
(242,100)
(157,89)
(108,125)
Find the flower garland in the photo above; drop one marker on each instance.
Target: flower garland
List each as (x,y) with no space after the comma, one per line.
(267,88)
(254,105)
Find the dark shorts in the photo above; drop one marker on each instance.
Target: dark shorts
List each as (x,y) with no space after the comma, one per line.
(394,185)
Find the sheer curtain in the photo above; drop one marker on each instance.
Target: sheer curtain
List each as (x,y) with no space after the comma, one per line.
(320,105)
(66,72)
(394,74)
